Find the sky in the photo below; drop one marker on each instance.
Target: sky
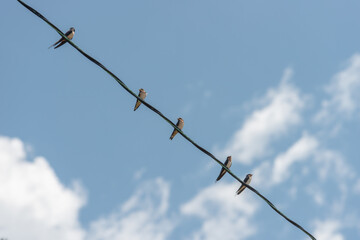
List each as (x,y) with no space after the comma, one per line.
(274,84)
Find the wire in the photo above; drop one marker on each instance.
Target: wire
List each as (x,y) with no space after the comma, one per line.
(165,118)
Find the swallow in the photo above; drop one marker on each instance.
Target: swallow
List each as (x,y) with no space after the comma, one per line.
(179,124)
(69,34)
(142,95)
(227,163)
(247,180)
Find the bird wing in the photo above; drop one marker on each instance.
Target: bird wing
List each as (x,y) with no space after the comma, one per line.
(241,188)
(221,174)
(173,134)
(137,104)
(223,171)
(68,33)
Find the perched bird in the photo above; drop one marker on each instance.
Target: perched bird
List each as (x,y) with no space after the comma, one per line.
(247,180)
(142,95)
(179,124)
(69,34)
(227,163)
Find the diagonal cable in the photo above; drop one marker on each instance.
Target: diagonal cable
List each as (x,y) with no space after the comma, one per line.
(165,118)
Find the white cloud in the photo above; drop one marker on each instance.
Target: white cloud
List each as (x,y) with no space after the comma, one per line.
(281,110)
(33,202)
(344,93)
(309,164)
(222,213)
(143,216)
(327,168)
(328,230)
(323,161)
(300,151)
(271,173)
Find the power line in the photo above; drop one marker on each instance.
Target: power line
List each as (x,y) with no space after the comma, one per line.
(165,118)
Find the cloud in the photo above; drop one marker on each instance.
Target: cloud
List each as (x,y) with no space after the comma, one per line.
(327,168)
(143,216)
(34,204)
(276,172)
(336,174)
(316,192)
(331,163)
(356,187)
(299,151)
(328,230)
(311,165)
(222,213)
(139,174)
(344,93)
(326,162)
(281,110)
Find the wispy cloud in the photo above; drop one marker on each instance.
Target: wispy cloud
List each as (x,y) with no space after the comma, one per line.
(299,151)
(139,173)
(309,164)
(330,163)
(281,168)
(343,93)
(281,110)
(316,193)
(356,187)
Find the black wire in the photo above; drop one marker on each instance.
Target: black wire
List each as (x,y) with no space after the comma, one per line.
(166,119)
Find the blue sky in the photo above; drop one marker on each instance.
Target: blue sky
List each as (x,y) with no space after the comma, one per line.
(274,84)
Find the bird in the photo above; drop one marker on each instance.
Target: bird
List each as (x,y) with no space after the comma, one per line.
(69,34)
(247,180)
(227,163)
(142,95)
(179,124)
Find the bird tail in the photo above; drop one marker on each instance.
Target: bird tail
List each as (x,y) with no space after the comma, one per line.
(62,43)
(55,43)
(240,190)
